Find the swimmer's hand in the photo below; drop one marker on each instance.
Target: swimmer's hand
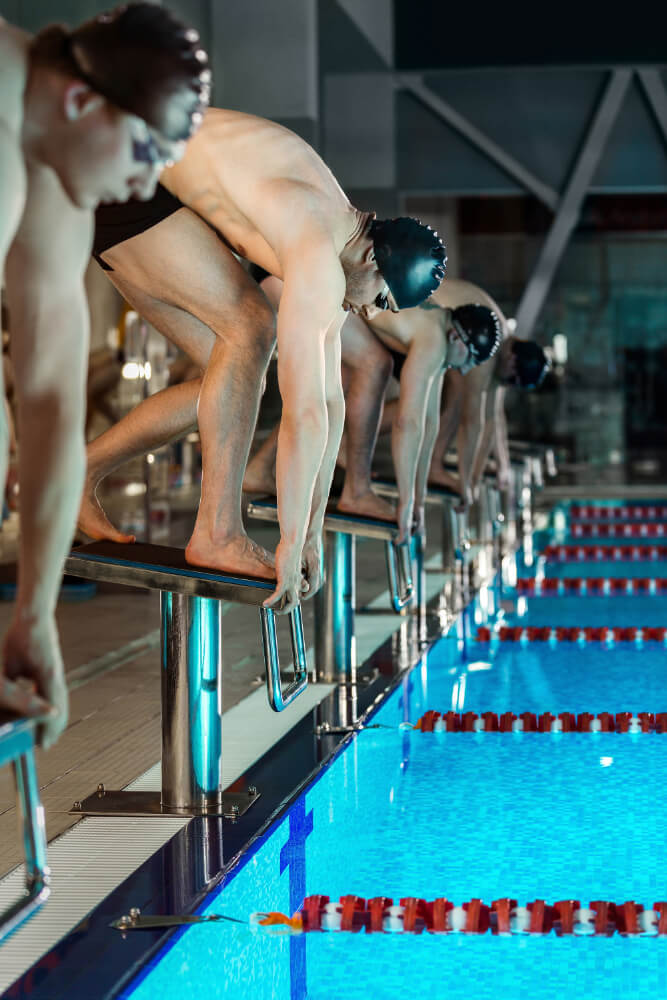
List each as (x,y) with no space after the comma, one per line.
(465,500)
(32,675)
(290,581)
(311,565)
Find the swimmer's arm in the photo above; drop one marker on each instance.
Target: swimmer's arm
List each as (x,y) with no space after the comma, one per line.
(335,403)
(501,440)
(12,201)
(487,435)
(12,189)
(451,406)
(470,429)
(424,358)
(428,441)
(308,309)
(49,346)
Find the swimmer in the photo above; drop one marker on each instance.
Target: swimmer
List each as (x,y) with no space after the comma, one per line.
(473,409)
(418,345)
(87,115)
(250,188)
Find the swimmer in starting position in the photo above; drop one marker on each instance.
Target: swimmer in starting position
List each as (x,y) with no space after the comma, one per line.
(250,187)
(87,115)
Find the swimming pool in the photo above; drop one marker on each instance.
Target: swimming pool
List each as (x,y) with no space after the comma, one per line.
(463,815)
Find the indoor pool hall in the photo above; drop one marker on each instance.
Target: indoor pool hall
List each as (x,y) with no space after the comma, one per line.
(333,536)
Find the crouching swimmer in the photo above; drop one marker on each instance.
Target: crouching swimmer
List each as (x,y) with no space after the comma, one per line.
(250,187)
(87,115)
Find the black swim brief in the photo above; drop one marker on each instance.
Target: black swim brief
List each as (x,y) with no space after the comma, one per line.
(399,361)
(122,220)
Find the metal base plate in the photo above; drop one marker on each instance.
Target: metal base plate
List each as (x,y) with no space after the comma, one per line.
(121,803)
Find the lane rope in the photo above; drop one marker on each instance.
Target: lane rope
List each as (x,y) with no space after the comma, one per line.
(605,553)
(573,633)
(611,530)
(623,512)
(527,722)
(441,916)
(608,586)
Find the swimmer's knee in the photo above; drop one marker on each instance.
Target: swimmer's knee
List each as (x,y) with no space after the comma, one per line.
(260,332)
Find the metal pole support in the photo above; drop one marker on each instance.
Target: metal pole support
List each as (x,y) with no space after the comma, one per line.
(450,537)
(335,644)
(191,643)
(417,551)
(16,747)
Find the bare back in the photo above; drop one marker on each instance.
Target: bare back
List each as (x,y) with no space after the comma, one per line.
(398,331)
(455,292)
(261,187)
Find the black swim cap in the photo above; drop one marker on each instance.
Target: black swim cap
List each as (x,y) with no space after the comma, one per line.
(141,58)
(480,329)
(410,257)
(532,363)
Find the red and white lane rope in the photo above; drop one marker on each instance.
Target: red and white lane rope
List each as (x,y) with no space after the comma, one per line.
(624,512)
(605,553)
(411,915)
(527,722)
(607,530)
(572,633)
(551,586)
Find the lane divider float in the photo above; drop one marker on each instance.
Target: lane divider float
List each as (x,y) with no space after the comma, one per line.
(605,553)
(610,586)
(411,915)
(527,722)
(624,512)
(572,633)
(610,530)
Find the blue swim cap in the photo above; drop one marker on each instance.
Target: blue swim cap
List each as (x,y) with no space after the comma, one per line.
(410,257)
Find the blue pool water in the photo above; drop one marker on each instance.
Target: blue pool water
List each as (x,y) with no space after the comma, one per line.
(399,813)
(654,569)
(628,609)
(462,816)
(603,542)
(538,677)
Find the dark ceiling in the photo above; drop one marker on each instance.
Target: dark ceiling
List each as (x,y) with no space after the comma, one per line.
(439,35)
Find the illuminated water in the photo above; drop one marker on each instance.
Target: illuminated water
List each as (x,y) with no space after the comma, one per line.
(463,816)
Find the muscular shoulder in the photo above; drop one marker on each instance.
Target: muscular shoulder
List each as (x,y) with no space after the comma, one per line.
(13,75)
(454,292)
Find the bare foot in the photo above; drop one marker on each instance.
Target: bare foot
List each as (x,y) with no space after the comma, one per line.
(259,479)
(239,556)
(369,504)
(94,522)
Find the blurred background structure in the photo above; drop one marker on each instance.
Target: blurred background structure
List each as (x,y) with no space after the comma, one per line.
(539,152)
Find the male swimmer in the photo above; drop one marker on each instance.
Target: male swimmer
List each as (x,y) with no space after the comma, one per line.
(87,115)
(473,406)
(474,409)
(418,345)
(250,187)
